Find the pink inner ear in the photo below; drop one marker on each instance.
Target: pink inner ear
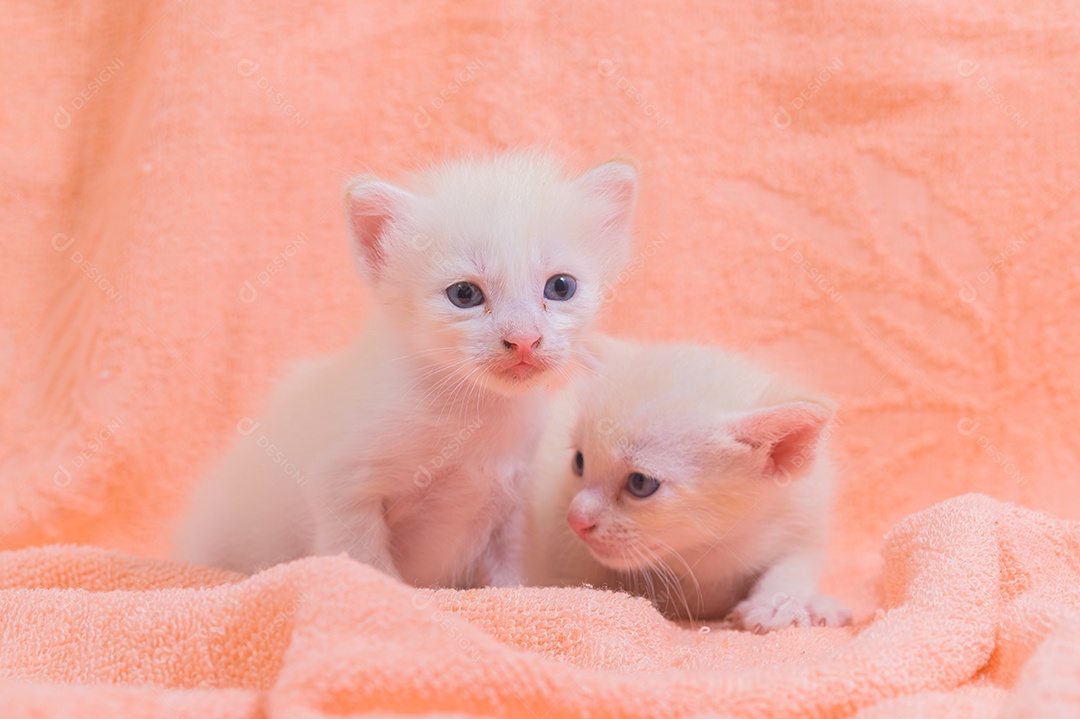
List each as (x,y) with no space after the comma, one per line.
(371,206)
(788,432)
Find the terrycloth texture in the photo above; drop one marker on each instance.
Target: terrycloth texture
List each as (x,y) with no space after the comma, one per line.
(878,196)
(982,613)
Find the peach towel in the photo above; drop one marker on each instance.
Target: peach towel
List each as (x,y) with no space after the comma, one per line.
(981,619)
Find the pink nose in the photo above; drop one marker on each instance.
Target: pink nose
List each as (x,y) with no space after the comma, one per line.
(580,524)
(522,345)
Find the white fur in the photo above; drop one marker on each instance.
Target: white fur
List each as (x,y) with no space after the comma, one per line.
(738,524)
(410,450)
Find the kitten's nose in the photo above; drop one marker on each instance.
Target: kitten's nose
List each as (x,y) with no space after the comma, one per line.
(522,345)
(580,523)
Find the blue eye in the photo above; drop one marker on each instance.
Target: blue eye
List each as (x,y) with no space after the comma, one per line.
(579,464)
(465,295)
(560,288)
(641,485)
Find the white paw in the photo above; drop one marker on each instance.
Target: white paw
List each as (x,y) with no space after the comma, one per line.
(761,613)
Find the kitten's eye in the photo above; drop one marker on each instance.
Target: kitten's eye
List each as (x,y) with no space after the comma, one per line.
(641,485)
(465,295)
(579,464)
(560,288)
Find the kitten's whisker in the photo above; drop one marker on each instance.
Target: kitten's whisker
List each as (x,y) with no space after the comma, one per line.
(719,540)
(650,570)
(679,580)
(638,581)
(435,390)
(425,351)
(452,392)
(450,395)
(474,392)
(566,370)
(435,369)
(582,365)
(642,563)
(447,370)
(422,405)
(678,590)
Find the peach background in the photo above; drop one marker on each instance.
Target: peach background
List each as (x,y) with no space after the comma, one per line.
(821,186)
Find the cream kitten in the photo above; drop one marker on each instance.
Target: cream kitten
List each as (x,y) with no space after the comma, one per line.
(692,477)
(410,450)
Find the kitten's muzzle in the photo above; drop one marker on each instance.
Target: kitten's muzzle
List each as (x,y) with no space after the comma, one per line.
(523,346)
(580,523)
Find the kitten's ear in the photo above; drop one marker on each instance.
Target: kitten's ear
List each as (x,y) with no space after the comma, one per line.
(784,437)
(614,183)
(371,205)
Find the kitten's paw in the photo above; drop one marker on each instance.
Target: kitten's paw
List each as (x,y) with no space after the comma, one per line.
(761,613)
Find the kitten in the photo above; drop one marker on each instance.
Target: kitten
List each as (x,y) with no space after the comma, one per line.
(410,450)
(690,476)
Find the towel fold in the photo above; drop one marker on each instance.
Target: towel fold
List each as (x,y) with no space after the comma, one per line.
(982,612)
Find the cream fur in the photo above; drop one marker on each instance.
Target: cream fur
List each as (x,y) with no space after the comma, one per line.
(411,448)
(740,518)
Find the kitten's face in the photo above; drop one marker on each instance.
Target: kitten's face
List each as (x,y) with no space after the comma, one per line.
(649,495)
(661,476)
(505,317)
(494,271)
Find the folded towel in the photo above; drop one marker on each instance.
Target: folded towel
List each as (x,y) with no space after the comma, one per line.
(982,614)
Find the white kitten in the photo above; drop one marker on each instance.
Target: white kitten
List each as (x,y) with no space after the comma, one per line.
(690,476)
(410,450)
